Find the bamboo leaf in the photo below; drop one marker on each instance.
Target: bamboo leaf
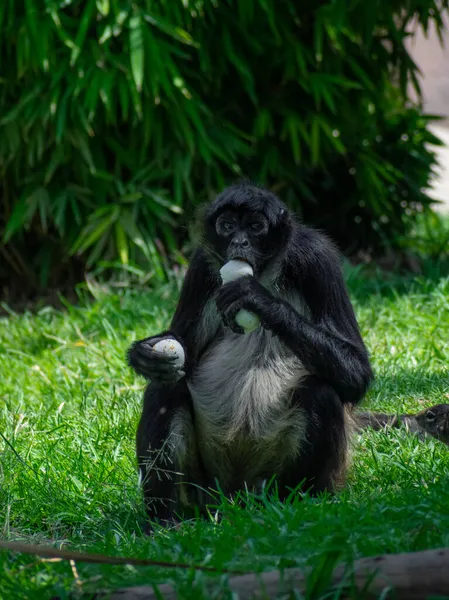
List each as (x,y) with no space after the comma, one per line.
(136,49)
(124,98)
(92,95)
(17,220)
(328,99)
(80,143)
(242,68)
(42,199)
(106,35)
(360,73)
(60,211)
(122,243)
(175,32)
(60,31)
(88,13)
(103,7)
(263,124)
(271,12)
(62,115)
(33,27)
(95,230)
(135,98)
(159,210)
(16,110)
(75,210)
(333,136)
(97,249)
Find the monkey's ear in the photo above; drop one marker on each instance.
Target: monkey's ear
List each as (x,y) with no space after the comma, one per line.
(284,216)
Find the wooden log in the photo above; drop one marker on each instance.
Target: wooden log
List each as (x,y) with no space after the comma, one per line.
(409,576)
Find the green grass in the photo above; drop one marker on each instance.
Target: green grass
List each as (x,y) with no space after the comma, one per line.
(68,414)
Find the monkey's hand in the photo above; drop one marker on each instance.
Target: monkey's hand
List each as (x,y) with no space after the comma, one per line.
(156,366)
(245,292)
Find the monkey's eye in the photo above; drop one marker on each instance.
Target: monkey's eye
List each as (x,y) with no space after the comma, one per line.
(223,226)
(430,416)
(256,227)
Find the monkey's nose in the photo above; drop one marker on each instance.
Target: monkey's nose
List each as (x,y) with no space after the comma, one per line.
(241,243)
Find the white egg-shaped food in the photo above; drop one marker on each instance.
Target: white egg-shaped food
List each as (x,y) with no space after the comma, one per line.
(172,348)
(229,272)
(235,269)
(249,321)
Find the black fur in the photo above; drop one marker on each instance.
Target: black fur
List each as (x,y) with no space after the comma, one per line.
(299,294)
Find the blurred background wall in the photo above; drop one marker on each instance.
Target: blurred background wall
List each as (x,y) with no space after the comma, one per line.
(433,61)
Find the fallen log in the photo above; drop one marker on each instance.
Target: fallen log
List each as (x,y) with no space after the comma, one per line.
(405,576)
(408,576)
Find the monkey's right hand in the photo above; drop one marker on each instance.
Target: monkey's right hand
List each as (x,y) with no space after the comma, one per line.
(156,366)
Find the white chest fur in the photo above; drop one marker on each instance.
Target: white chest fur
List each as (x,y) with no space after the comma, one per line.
(242,379)
(241,392)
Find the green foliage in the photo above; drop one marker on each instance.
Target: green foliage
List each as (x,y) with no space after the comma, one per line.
(68,415)
(117,118)
(429,238)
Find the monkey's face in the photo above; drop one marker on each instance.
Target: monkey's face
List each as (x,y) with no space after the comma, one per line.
(246,235)
(435,420)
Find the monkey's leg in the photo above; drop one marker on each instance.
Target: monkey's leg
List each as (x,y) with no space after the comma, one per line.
(321,458)
(167,452)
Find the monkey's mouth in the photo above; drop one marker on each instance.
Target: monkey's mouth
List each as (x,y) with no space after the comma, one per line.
(241,256)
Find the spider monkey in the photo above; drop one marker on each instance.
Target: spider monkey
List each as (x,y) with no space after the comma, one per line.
(247,408)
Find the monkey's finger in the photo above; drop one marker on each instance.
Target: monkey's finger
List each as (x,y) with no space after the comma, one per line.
(152,341)
(147,350)
(229,318)
(223,304)
(163,376)
(227,294)
(147,353)
(143,359)
(236,328)
(161,368)
(148,370)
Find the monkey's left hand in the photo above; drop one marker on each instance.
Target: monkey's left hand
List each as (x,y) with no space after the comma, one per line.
(245,292)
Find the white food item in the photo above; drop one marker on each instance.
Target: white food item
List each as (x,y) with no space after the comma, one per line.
(229,272)
(247,320)
(235,269)
(173,348)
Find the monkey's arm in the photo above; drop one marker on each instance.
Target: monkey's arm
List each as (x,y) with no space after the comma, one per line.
(199,284)
(329,345)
